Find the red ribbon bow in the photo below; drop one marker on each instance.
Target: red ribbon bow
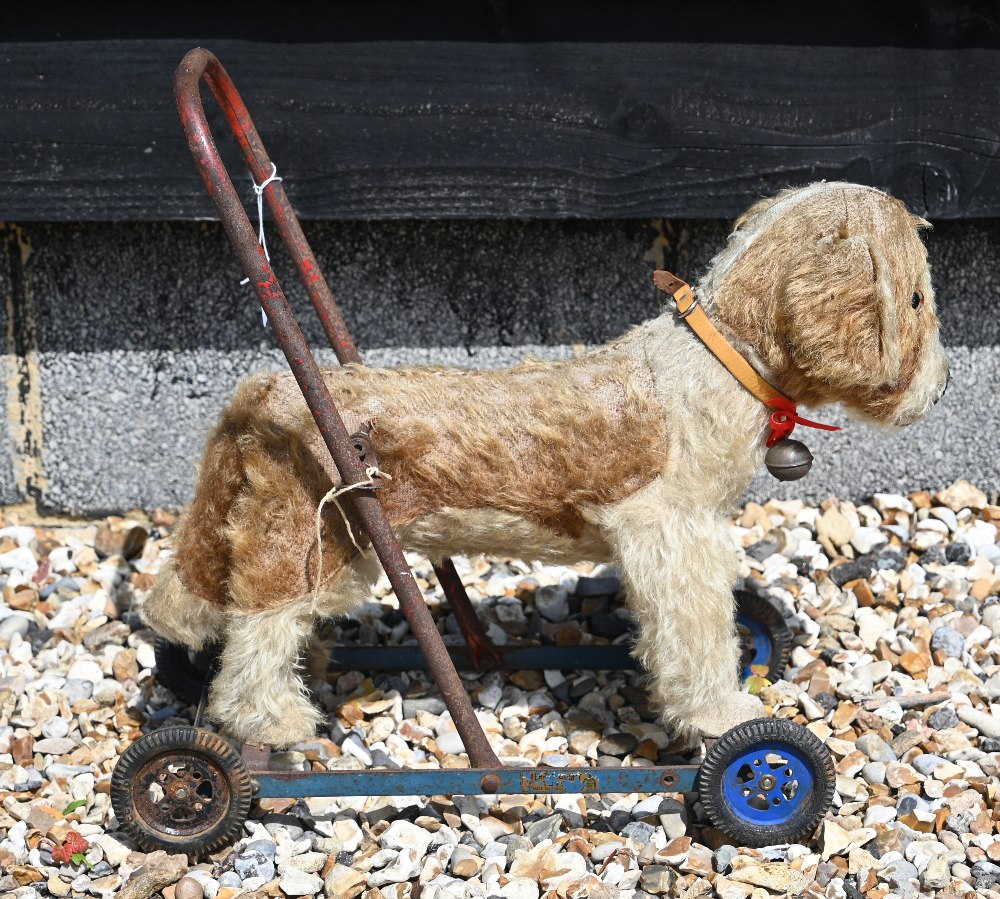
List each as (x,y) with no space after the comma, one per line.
(784,420)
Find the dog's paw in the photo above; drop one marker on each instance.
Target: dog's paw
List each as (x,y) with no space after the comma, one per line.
(293,720)
(734,709)
(299,725)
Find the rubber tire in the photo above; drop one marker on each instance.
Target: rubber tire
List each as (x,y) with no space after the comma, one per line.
(176,671)
(738,740)
(762,611)
(190,740)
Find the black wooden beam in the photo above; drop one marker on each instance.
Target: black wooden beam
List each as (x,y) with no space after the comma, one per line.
(928,24)
(88,129)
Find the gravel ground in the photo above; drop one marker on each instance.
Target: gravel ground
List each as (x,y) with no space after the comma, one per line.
(894,606)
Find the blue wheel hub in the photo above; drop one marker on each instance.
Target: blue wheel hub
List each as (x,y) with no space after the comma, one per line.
(768,784)
(759,638)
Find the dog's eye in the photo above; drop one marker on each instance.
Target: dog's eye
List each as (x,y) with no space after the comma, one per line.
(917,300)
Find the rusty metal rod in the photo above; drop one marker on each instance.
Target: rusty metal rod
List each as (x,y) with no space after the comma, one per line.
(484,653)
(285,219)
(201,63)
(339,337)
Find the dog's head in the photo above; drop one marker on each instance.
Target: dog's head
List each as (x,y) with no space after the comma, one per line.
(827,289)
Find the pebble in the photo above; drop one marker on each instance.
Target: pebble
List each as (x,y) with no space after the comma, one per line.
(873,746)
(723,857)
(254,863)
(189,887)
(865,540)
(344,882)
(619,744)
(15,624)
(987,725)
(401,835)
(552,602)
(874,773)
(299,883)
(943,718)
(949,641)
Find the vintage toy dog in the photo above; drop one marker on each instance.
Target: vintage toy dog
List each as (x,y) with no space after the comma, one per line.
(634,452)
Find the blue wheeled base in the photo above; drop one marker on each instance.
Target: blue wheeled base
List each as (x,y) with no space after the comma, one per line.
(765,781)
(472,781)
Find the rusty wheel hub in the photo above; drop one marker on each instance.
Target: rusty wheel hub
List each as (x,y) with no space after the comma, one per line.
(181,793)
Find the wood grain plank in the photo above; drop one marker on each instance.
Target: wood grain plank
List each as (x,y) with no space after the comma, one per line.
(391,130)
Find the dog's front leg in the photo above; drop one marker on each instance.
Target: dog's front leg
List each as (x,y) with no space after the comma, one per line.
(679,567)
(258,695)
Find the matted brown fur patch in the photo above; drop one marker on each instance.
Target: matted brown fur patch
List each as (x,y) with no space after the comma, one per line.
(543,441)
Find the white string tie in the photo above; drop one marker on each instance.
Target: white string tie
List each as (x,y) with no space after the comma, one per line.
(259,190)
(372,472)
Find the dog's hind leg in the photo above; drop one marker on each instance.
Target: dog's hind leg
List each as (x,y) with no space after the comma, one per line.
(679,567)
(258,694)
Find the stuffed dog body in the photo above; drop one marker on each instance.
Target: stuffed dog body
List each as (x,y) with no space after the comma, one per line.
(634,452)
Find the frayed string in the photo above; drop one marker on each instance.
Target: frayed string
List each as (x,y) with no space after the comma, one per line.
(259,190)
(372,472)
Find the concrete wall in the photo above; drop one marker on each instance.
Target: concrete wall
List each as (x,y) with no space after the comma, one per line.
(123,340)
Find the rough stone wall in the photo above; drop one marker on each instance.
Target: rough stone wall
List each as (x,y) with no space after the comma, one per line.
(123,340)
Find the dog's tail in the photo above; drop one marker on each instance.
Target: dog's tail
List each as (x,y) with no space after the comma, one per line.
(176,613)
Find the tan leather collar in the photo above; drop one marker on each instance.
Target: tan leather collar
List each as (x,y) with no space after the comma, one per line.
(785,416)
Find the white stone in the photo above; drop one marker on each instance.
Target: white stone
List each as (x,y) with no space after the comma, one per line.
(14,623)
(837,841)
(402,835)
(989,725)
(520,888)
(114,852)
(21,534)
(405,866)
(347,832)
(943,513)
(871,627)
(924,540)
(145,655)
(490,696)
(21,559)
(354,746)
(864,540)
(85,669)
(885,502)
(299,883)
(879,814)
(310,862)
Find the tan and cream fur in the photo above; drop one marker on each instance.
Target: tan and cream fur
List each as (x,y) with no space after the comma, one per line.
(634,452)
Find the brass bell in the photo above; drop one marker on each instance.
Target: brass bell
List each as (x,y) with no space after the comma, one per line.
(788,460)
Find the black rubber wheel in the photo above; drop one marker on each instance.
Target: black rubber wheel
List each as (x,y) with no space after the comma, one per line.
(184,673)
(181,789)
(765,637)
(766,781)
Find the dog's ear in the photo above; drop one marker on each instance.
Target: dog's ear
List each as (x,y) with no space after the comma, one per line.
(840,314)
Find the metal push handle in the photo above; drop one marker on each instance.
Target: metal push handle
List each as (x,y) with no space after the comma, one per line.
(198,64)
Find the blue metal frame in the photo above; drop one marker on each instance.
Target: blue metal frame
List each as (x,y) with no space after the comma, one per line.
(512,658)
(470,781)
(793,783)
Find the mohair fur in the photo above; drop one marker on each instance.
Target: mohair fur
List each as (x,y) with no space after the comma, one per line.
(634,452)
